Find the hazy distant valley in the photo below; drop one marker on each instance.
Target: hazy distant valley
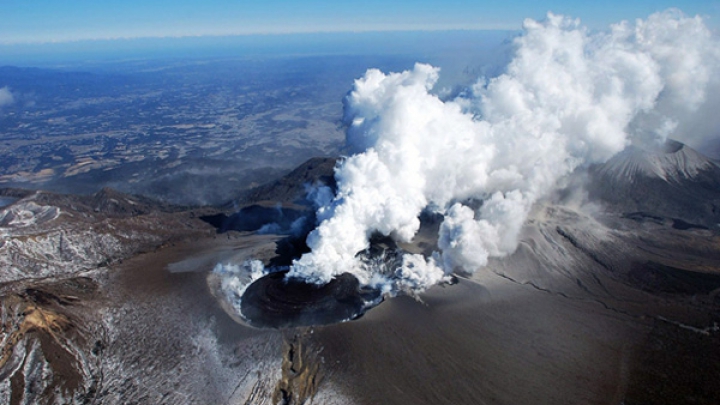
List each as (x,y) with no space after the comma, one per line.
(187,132)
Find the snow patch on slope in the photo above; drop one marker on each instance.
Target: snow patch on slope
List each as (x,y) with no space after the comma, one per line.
(26,214)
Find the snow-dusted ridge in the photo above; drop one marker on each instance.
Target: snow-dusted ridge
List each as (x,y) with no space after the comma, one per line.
(45,234)
(27,213)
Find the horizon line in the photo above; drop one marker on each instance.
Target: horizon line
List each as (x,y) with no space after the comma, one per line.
(258,34)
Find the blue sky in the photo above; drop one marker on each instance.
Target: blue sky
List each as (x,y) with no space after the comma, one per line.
(23,21)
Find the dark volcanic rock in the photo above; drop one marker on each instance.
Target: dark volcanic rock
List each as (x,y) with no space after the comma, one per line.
(291,188)
(254,217)
(274,301)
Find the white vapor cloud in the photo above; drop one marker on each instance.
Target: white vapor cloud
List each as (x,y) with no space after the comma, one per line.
(567,99)
(6,97)
(234,279)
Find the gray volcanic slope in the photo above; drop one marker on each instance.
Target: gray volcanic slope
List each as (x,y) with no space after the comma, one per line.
(615,302)
(581,313)
(673,181)
(603,306)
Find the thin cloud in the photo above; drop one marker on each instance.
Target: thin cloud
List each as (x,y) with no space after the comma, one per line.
(6,97)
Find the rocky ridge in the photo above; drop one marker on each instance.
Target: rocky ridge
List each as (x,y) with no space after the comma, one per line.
(46,234)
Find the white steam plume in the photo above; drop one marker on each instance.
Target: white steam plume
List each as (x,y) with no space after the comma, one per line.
(567,99)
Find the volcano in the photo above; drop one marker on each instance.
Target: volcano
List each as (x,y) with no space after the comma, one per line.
(614,298)
(628,280)
(672,180)
(672,188)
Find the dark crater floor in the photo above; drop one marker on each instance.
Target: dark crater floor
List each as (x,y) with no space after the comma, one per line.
(275,301)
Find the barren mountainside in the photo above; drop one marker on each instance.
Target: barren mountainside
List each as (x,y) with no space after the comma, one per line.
(674,182)
(107,299)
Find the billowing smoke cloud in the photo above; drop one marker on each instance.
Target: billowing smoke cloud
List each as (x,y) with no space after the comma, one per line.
(6,97)
(568,98)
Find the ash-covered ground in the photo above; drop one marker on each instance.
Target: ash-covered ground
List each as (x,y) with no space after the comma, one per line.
(598,305)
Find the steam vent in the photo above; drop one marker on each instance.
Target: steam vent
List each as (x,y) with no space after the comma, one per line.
(275,301)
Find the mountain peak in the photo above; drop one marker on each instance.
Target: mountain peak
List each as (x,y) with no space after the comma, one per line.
(672,161)
(672,181)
